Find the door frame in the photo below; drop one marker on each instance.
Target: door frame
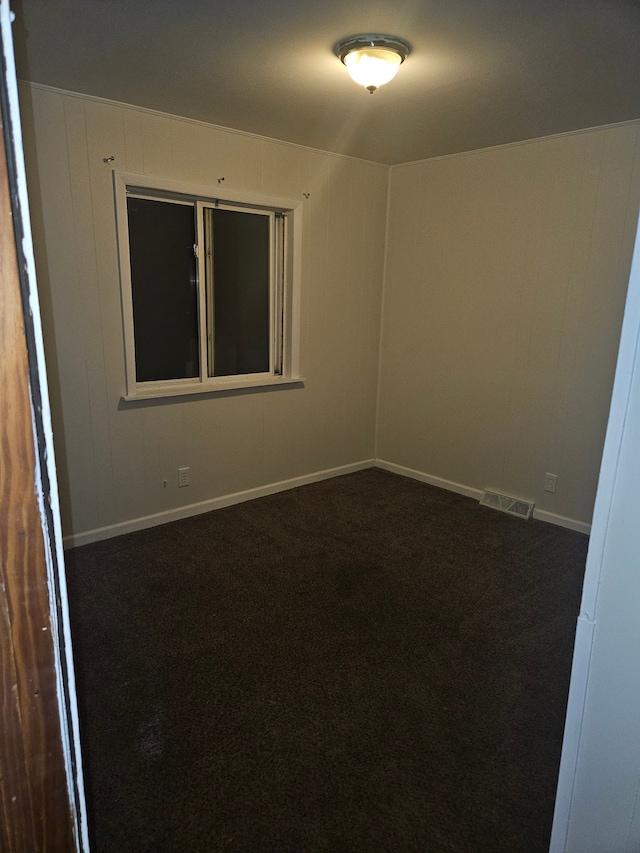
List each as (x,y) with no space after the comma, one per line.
(42,799)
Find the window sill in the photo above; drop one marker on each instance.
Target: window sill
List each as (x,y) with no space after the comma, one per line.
(160,392)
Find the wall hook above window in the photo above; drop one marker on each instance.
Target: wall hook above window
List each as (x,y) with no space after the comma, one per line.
(108,159)
(220,180)
(307,195)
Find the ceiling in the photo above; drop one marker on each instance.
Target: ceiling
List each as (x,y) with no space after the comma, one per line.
(481,72)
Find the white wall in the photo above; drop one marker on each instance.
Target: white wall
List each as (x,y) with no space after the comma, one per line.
(505,283)
(116,456)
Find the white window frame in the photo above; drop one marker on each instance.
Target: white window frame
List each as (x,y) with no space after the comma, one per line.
(284,318)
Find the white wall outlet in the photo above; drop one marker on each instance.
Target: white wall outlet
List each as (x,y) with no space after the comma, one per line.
(184,477)
(550,483)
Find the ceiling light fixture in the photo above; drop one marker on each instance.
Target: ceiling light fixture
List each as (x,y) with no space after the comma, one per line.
(372,60)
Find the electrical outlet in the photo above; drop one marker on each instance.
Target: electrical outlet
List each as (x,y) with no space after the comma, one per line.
(184,477)
(550,483)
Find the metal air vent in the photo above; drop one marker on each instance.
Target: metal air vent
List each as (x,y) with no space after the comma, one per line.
(506,503)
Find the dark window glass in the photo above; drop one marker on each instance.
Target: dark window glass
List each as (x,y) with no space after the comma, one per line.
(241,292)
(163,282)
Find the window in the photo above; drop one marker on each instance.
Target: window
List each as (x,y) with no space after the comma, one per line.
(210,288)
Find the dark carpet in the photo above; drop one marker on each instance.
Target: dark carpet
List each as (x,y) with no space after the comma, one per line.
(368,663)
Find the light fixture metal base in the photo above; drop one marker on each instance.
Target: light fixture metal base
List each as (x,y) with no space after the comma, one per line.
(401,47)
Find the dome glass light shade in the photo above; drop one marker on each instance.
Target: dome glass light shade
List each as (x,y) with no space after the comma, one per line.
(372,60)
(372,66)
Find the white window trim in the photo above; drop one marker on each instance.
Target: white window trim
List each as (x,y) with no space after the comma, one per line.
(124,181)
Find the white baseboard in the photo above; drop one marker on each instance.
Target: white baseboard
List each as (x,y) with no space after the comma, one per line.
(459,488)
(450,486)
(142,523)
(107,532)
(562,521)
